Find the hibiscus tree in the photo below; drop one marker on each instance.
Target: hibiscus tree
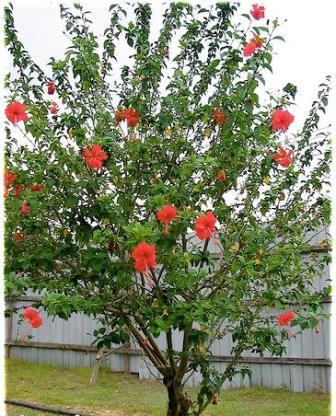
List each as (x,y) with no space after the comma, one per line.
(114,198)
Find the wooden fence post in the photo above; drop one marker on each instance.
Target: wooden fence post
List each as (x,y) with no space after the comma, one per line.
(9,329)
(127,358)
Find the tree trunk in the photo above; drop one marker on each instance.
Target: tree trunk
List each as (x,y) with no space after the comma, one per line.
(96,366)
(178,403)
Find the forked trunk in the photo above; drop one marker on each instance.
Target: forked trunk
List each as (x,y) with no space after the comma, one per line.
(178,403)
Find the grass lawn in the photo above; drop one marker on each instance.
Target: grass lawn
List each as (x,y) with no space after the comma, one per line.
(124,395)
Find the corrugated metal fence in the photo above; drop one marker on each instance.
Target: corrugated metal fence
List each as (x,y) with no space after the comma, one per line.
(305,367)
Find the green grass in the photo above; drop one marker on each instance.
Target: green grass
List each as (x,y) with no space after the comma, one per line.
(118,394)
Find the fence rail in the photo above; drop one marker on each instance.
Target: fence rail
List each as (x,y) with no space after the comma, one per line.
(130,351)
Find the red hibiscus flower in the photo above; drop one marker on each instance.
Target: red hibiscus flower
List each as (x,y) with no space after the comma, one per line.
(281,119)
(132,117)
(257,40)
(25,208)
(18,189)
(36,322)
(32,316)
(51,88)
(167,214)
(30,313)
(53,108)
(36,187)
(9,178)
(94,156)
(284,157)
(144,257)
(19,236)
(249,49)
(219,116)
(285,318)
(258,12)
(205,226)
(119,116)
(221,175)
(16,112)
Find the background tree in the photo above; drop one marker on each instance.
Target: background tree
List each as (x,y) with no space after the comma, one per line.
(118,181)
